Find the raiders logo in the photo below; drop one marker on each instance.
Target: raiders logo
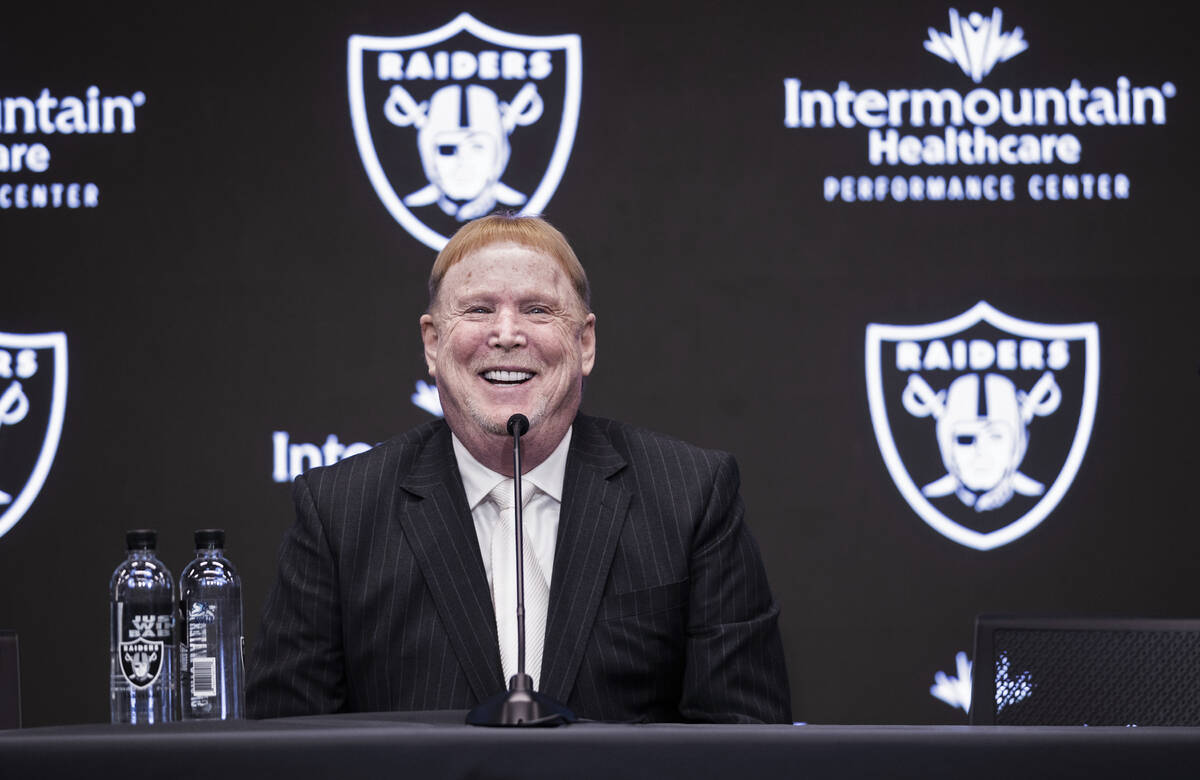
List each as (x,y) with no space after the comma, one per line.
(33,397)
(455,122)
(141,661)
(983,419)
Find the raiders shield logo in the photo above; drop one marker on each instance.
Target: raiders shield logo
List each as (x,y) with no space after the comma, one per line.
(33,397)
(141,661)
(983,419)
(455,122)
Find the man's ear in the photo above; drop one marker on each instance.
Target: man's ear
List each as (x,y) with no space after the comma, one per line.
(587,344)
(429,337)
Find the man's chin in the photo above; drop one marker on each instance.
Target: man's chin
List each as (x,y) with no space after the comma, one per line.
(494,423)
(493,420)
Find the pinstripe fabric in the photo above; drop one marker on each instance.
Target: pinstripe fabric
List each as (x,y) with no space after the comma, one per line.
(659,606)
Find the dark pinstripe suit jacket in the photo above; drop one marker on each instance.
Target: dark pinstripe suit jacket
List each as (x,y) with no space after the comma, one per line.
(659,605)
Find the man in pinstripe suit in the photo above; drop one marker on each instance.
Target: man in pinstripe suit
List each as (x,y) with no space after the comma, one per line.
(655,605)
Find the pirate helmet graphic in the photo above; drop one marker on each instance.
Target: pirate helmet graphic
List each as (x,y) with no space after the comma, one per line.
(981,450)
(982,432)
(463,146)
(462,135)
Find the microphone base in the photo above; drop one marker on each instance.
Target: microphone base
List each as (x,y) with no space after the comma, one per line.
(520,705)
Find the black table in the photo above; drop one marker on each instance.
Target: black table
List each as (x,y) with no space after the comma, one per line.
(435,745)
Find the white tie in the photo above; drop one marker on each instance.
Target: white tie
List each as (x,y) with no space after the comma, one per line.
(504,587)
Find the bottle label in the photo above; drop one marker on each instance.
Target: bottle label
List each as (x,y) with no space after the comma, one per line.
(202,667)
(144,644)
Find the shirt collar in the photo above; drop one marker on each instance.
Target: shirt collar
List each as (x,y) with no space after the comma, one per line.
(478,479)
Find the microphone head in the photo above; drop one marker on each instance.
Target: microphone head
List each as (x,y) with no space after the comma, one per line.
(518,425)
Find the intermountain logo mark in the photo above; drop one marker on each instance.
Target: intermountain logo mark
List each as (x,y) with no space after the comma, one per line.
(455,121)
(954,689)
(929,142)
(976,43)
(983,419)
(33,399)
(426,397)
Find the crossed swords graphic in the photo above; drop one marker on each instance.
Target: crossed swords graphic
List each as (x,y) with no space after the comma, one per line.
(14,405)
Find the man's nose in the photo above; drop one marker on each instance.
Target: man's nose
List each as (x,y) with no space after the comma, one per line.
(507,331)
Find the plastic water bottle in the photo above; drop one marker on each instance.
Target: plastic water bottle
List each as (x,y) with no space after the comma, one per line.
(142,635)
(211,681)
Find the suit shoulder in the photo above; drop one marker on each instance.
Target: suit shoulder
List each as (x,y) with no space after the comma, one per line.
(638,445)
(396,455)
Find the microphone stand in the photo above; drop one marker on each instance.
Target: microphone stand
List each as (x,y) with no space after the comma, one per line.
(520,705)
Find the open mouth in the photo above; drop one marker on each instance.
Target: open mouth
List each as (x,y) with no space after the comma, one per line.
(502,378)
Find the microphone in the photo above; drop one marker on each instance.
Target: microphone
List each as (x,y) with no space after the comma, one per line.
(520,705)
(518,425)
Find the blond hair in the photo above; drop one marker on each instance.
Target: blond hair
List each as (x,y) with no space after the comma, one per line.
(531,232)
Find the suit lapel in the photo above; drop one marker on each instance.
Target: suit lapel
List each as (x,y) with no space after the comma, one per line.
(590,522)
(439,528)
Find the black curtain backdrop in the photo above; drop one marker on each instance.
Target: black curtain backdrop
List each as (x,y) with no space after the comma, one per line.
(239,277)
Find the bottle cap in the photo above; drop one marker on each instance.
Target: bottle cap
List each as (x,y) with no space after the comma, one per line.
(210,538)
(141,539)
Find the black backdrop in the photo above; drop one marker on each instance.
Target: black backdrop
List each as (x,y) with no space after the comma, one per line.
(240,277)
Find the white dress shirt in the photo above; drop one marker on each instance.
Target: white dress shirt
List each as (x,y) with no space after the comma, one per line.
(542,486)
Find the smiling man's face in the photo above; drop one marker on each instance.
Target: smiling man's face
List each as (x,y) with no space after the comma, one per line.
(506,334)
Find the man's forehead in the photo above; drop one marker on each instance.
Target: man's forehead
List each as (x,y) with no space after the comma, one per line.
(506,267)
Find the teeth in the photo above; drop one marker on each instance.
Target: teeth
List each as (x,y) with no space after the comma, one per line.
(507,376)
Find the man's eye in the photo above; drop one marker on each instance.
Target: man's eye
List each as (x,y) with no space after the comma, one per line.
(538,310)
